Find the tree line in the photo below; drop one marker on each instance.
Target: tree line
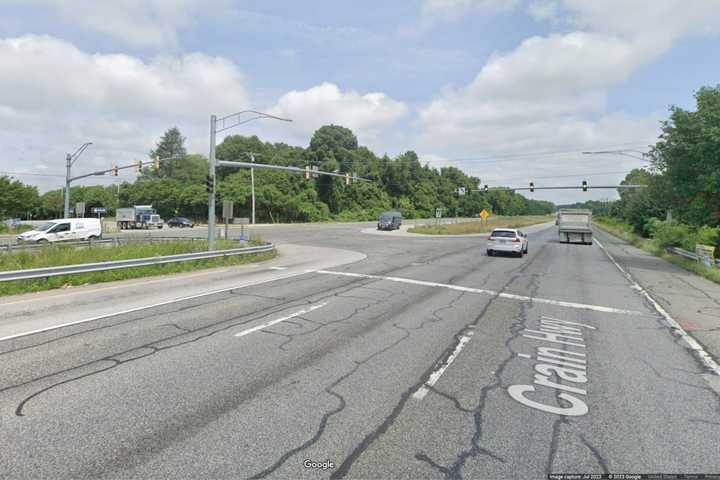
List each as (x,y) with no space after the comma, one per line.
(401,183)
(683,179)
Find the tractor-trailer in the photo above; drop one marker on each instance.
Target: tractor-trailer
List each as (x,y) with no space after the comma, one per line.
(575,226)
(139,216)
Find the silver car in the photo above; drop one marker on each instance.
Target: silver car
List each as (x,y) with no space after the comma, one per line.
(507,240)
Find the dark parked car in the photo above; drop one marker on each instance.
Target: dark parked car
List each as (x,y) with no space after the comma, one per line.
(180,222)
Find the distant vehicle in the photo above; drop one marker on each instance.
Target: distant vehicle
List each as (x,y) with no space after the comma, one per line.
(574,226)
(12,222)
(64,229)
(389,221)
(139,216)
(180,222)
(507,240)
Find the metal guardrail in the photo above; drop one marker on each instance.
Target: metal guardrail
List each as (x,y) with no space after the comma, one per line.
(47,272)
(115,241)
(687,254)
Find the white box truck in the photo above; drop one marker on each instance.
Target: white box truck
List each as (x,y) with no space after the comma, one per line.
(574,226)
(139,216)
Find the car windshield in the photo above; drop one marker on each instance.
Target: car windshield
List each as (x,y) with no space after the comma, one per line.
(45,226)
(386,218)
(503,234)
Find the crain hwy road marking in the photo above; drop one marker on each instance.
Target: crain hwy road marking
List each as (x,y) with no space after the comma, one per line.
(565,364)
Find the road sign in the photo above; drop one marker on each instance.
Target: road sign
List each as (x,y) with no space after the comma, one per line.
(99,210)
(241,221)
(484,214)
(705,254)
(227,209)
(461,191)
(438,212)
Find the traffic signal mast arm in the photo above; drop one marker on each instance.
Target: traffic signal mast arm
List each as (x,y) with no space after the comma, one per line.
(574,187)
(571,187)
(124,167)
(224,163)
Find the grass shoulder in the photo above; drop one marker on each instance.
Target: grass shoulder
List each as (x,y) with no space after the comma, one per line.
(625,232)
(57,255)
(477,226)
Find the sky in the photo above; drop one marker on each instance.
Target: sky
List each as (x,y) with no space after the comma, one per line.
(511,91)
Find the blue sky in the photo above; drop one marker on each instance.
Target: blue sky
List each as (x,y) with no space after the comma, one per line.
(499,82)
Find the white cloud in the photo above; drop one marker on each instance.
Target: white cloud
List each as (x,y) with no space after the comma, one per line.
(549,93)
(152,23)
(54,97)
(45,73)
(366,114)
(543,10)
(662,19)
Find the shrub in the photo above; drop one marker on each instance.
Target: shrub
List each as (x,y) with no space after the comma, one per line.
(674,235)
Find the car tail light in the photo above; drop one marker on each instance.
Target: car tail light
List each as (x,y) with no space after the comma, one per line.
(516,239)
(489,237)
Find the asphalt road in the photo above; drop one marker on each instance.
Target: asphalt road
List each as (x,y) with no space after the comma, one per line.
(361,356)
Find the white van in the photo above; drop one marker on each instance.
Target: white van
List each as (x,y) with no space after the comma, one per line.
(64,229)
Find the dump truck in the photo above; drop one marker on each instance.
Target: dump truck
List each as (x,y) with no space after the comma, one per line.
(138,217)
(574,226)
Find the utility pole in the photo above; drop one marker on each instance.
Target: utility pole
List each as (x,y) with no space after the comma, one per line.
(211,195)
(252,183)
(219,125)
(68,165)
(69,160)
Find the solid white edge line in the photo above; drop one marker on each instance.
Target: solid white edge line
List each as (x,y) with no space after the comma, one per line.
(510,296)
(435,376)
(705,357)
(144,307)
(273,322)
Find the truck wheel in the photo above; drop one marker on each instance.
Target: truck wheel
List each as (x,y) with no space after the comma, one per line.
(489,253)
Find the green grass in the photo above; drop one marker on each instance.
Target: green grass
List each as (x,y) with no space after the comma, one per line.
(476,226)
(625,232)
(66,255)
(7,230)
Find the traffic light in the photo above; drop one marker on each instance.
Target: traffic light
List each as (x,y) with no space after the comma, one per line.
(210,183)
(532,187)
(157,162)
(347,179)
(307,172)
(486,188)
(584,185)
(114,171)
(138,165)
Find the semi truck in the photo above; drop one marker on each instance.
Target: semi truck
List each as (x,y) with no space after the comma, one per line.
(139,216)
(574,226)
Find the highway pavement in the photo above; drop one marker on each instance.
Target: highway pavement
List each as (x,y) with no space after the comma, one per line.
(356,355)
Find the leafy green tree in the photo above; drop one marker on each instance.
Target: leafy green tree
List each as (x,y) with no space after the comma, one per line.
(171,144)
(16,198)
(688,156)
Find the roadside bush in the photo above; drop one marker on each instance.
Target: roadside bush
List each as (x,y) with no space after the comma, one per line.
(674,235)
(708,235)
(652,226)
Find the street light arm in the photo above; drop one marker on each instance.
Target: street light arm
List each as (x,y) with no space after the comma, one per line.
(79,152)
(619,152)
(258,115)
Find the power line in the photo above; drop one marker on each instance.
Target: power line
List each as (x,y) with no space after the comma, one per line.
(33,174)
